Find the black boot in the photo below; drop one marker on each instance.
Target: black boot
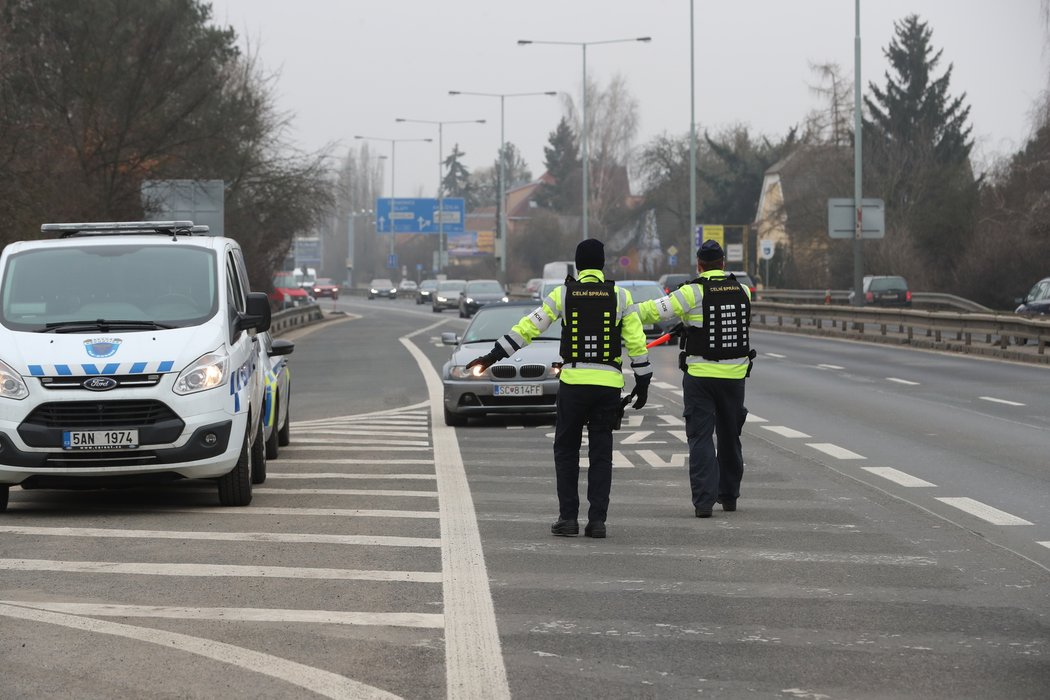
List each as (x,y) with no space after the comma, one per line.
(565,528)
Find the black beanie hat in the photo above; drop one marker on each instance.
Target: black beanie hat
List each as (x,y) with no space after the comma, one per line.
(710,251)
(590,255)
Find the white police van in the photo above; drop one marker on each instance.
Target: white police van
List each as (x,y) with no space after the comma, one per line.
(128,356)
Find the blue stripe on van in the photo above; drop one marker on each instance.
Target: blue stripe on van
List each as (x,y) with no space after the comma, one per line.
(138,368)
(166,366)
(90,369)
(64,370)
(36,370)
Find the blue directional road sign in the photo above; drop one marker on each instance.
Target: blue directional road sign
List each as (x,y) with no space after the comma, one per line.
(415,215)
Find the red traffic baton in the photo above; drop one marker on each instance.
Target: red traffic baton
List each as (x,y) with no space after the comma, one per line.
(658,341)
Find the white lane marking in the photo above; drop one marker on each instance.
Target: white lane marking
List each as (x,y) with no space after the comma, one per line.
(984,512)
(656,461)
(674,421)
(901,381)
(371,445)
(307,512)
(361,441)
(899,477)
(424,431)
(323,683)
(350,492)
(1045,544)
(217,570)
(474,666)
(339,475)
(632,420)
(830,367)
(664,385)
(284,537)
(752,418)
(348,460)
(620,461)
(773,354)
(637,437)
(834,450)
(679,434)
(1002,401)
(324,617)
(784,431)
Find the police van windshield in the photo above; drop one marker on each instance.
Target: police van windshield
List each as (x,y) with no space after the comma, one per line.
(165,285)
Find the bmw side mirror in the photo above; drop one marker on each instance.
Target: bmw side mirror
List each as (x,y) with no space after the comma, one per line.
(449,338)
(257,313)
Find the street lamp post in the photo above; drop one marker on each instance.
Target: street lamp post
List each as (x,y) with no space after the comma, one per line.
(502,174)
(393,183)
(583,109)
(441,186)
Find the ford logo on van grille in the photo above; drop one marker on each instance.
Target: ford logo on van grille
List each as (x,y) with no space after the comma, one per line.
(99,383)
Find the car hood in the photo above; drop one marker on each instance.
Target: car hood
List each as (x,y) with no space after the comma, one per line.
(486,296)
(94,353)
(1035,308)
(291,291)
(542,352)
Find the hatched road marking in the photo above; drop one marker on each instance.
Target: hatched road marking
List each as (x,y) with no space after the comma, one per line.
(1002,401)
(901,381)
(293,538)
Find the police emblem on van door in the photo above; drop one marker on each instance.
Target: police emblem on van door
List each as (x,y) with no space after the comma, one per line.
(99,383)
(100,348)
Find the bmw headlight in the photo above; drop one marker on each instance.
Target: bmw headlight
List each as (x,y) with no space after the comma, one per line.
(505,299)
(461,372)
(206,372)
(469,300)
(11,385)
(373,290)
(442,299)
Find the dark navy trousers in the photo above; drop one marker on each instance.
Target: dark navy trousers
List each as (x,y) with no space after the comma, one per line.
(598,408)
(714,406)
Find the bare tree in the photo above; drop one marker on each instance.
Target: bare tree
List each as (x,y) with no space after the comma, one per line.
(833,123)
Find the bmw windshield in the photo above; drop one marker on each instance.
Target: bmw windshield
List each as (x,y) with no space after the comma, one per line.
(125,285)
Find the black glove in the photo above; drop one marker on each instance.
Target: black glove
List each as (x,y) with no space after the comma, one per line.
(485,361)
(641,389)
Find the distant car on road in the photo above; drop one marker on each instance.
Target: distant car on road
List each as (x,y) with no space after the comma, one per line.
(885,290)
(532,287)
(425,290)
(325,287)
(382,287)
(673,280)
(524,383)
(1037,302)
(287,293)
(744,279)
(479,293)
(446,296)
(647,290)
(406,286)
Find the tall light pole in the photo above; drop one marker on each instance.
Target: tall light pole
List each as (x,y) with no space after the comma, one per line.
(393,182)
(583,109)
(693,243)
(858,138)
(441,185)
(502,174)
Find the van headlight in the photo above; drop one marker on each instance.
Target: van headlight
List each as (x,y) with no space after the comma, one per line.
(206,372)
(11,385)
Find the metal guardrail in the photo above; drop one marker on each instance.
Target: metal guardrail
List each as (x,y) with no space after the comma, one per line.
(283,321)
(841,296)
(1001,335)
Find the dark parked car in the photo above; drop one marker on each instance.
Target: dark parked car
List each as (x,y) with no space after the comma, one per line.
(478,293)
(744,279)
(885,290)
(425,290)
(527,382)
(1037,302)
(382,288)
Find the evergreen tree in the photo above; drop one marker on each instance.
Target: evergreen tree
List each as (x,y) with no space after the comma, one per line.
(562,161)
(456,182)
(918,145)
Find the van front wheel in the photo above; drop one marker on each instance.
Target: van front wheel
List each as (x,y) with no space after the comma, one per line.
(235,487)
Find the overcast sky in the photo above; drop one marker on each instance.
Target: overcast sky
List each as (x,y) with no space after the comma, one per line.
(351,67)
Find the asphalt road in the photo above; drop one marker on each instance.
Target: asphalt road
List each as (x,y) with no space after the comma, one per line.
(892,541)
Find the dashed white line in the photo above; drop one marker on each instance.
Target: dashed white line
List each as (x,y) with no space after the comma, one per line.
(834,450)
(217,570)
(284,537)
(1002,401)
(984,512)
(830,367)
(776,355)
(899,477)
(785,431)
(906,382)
(340,475)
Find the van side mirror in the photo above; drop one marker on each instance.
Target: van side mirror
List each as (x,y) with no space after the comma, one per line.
(281,346)
(257,313)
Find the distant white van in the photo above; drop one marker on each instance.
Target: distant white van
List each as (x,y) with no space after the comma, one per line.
(559,269)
